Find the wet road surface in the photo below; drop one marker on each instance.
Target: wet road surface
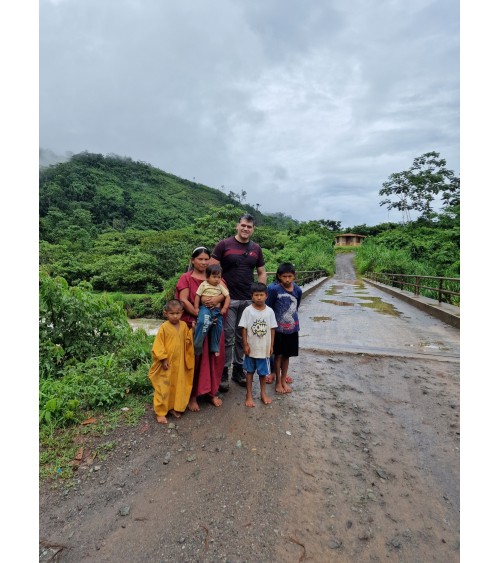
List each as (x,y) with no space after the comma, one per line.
(346,315)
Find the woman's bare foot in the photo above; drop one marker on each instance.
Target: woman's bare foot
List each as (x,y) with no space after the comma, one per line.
(265,399)
(161,419)
(216,402)
(193,405)
(249,402)
(177,414)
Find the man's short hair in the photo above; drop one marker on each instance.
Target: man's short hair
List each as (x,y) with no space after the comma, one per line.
(247,217)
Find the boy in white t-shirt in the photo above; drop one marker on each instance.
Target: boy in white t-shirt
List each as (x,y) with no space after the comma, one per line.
(258,324)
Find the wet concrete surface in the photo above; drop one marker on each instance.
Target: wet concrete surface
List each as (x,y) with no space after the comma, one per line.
(347,315)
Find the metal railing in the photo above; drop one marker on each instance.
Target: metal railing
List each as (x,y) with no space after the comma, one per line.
(302,277)
(445,290)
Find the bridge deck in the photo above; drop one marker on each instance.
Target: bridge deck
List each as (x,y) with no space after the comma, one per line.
(343,315)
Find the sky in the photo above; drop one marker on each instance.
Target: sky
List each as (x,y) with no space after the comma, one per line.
(306,106)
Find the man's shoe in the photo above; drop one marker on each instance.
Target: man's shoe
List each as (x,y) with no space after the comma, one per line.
(224,382)
(238,375)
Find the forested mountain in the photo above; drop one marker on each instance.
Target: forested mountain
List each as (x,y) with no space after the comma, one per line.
(97,192)
(127,226)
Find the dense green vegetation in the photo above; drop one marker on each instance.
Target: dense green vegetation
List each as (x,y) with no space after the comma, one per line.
(127,227)
(114,237)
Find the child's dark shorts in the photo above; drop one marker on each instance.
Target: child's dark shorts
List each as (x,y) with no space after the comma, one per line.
(286,344)
(261,365)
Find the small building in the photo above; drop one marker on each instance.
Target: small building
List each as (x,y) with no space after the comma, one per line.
(349,239)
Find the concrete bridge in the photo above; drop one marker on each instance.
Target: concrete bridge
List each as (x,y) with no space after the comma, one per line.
(347,314)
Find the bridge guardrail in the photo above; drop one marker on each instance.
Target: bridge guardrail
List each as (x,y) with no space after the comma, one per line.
(445,290)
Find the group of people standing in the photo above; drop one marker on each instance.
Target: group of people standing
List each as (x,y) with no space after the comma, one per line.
(220,319)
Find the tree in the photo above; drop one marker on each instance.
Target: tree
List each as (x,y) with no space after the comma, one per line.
(219,223)
(331,225)
(417,188)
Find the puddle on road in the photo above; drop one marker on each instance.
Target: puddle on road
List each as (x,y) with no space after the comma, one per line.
(357,288)
(321,319)
(430,346)
(374,303)
(433,345)
(335,288)
(340,303)
(380,306)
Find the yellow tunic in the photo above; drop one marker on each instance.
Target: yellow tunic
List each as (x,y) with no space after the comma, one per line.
(172,387)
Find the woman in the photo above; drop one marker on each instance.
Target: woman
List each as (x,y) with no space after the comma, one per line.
(208,367)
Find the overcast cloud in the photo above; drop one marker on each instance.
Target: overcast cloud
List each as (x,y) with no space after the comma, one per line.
(307,106)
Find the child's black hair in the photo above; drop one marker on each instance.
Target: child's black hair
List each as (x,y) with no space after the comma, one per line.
(285,268)
(213,269)
(258,287)
(172,304)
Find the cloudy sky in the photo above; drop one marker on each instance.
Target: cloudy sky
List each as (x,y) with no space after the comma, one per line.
(307,106)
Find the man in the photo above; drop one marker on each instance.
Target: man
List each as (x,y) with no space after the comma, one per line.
(239,257)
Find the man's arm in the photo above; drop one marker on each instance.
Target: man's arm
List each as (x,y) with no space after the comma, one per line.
(262,274)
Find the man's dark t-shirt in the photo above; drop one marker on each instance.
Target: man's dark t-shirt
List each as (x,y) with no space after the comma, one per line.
(238,261)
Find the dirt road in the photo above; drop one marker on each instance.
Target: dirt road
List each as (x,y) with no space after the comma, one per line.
(359,463)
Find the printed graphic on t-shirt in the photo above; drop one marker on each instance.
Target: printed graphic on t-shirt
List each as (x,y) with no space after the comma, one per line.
(259,327)
(287,314)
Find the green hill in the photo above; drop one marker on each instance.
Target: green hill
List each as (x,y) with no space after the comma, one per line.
(111,191)
(127,226)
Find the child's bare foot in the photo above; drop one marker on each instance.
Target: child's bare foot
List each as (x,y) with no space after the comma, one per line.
(270,378)
(161,419)
(177,414)
(283,388)
(279,388)
(265,399)
(288,379)
(216,402)
(216,353)
(193,405)
(249,402)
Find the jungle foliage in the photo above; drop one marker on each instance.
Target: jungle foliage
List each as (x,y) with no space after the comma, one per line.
(127,227)
(89,357)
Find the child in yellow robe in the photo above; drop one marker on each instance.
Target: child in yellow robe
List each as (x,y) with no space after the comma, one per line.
(172,370)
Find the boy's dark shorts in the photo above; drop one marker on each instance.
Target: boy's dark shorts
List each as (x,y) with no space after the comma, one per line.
(286,344)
